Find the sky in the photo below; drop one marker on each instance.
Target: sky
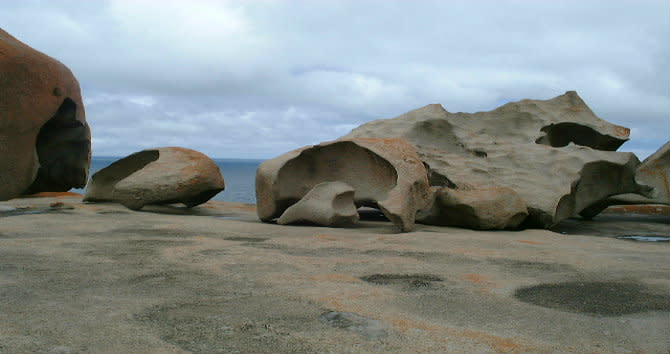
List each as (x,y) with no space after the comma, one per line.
(255,79)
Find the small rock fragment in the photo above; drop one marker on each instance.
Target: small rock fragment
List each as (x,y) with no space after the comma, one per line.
(327,204)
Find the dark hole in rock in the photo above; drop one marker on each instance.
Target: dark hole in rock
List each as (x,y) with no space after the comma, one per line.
(356,323)
(63,146)
(561,134)
(645,238)
(371,214)
(480,153)
(412,280)
(595,298)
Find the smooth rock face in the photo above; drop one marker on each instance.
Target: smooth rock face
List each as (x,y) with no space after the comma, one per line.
(555,154)
(384,173)
(327,204)
(157,176)
(485,209)
(45,142)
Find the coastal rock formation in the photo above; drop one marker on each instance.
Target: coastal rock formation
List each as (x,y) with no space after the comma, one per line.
(385,173)
(157,176)
(45,142)
(556,154)
(483,209)
(654,171)
(327,204)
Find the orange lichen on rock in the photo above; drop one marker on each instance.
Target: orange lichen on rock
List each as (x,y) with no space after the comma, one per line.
(51,195)
(45,142)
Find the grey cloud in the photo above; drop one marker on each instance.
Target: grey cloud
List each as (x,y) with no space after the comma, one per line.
(280,74)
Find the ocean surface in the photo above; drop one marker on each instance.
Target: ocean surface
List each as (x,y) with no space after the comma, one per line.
(239,175)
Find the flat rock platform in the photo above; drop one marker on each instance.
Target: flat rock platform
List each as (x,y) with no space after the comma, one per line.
(99,278)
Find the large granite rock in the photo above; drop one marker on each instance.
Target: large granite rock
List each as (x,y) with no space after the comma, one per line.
(327,204)
(654,171)
(556,154)
(385,173)
(157,176)
(45,142)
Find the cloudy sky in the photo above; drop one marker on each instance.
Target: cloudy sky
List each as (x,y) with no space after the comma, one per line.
(254,79)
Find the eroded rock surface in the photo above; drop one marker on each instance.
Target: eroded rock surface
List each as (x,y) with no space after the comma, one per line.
(45,142)
(485,209)
(556,154)
(327,204)
(157,176)
(385,173)
(654,171)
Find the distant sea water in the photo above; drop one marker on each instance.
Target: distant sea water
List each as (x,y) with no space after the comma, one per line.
(239,174)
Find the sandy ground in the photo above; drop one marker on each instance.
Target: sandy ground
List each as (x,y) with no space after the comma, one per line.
(99,278)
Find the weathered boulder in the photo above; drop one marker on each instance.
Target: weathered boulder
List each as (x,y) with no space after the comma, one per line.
(45,142)
(157,176)
(556,154)
(385,173)
(654,171)
(483,209)
(327,204)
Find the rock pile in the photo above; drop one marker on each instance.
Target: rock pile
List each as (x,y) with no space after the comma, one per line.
(530,163)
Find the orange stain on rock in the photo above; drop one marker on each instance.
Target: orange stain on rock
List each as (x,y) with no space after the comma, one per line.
(478,279)
(499,344)
(443,334)
(644,209)
(621,131)
(51,195)
(247,207)
(326,237)
(529,242)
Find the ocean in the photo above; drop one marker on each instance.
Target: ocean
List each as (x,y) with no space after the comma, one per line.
(239,174)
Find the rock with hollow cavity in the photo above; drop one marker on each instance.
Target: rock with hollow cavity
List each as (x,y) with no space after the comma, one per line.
(556,154)
(327,204)
(384,173)
(484,209)
(157,176)
(654,171)
(45,142)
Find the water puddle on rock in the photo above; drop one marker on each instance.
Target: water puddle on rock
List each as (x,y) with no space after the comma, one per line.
(644,238)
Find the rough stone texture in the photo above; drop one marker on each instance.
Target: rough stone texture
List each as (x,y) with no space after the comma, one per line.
(327,204)
(653,171)
(44,138)
(157,176)
(385,173)
(214,279)
(485,209)
(556,154)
